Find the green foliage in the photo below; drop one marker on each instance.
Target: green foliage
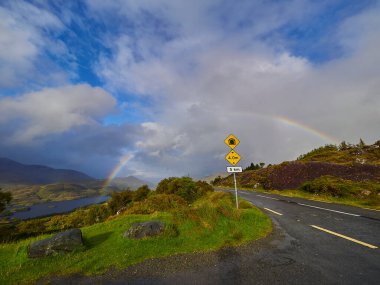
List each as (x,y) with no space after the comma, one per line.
(337,187)
(119,200)
(345,153)
(157,203)
(318,152)
(202,227)
(255,166)
(216,180)
(5,198)
(184,187)
(141,193)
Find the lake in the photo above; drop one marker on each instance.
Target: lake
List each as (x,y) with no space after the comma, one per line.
(51,208)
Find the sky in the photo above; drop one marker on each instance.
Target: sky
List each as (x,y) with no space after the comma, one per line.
(152,88)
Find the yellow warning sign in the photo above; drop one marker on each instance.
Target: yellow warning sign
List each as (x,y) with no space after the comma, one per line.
(231,141)
(233,157)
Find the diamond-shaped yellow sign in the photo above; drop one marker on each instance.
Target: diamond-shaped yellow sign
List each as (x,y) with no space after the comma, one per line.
(233,157)
(231,141)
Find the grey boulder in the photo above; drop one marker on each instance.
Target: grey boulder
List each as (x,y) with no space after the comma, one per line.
(60,243)
(146,229)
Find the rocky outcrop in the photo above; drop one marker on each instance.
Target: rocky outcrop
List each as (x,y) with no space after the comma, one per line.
(61,243)
(146,229)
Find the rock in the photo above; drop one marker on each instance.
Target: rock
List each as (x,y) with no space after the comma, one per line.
(146,229)
(60,243)
(121,210)
(366,192)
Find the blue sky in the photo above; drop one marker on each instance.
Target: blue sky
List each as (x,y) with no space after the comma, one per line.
(85,83)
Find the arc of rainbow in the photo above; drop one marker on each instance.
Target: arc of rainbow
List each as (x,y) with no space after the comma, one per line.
(124,159)
(307,128)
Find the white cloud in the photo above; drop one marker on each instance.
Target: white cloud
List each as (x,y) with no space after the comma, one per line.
(53,111)
(25,34)
(212,82)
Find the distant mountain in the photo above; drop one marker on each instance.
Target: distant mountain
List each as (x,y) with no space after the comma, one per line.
(130,181)
(210,178)
(18,173)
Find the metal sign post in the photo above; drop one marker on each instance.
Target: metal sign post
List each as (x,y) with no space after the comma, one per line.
(233,158)
(236,197)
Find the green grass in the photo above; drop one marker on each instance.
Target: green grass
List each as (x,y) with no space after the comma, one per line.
(209,224)
(351,201)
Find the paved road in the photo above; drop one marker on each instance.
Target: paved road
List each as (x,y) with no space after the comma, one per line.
(294,253)
(341,242)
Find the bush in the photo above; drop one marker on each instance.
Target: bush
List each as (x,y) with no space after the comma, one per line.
(141,193)
(338,187)
(119,200)
(157,203)
(5,198)
(184,187)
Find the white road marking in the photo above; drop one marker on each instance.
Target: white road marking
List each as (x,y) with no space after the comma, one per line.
(277,213)
(372,209)
(311,206)
(267,197)
(345,237)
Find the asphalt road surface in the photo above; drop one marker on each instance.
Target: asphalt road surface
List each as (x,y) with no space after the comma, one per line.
(312,243)
(341,242)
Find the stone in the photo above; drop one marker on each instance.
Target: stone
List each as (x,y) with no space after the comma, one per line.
(60,243)
(146,229)
(366,192)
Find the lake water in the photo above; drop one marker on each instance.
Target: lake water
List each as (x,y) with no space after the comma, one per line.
(51,208)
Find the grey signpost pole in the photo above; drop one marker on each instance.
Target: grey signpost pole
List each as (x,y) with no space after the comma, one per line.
(236,194)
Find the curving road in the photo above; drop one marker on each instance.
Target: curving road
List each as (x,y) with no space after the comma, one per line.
(312,243)
(340,242)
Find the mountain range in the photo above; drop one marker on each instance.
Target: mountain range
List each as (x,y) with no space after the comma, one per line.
(13,172)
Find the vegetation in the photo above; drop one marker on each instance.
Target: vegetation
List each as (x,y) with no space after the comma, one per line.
(368,192)
(5,198)
(255,166)
(184,187)
(345,153)
(347,174)
(79,218)
(209,223)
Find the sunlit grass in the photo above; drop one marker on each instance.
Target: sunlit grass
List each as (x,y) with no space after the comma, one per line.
(209,224)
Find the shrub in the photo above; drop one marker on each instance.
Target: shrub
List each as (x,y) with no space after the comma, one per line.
(141,193)
(5,198)
(119,200)
(184,187)
(338,187)
(157,203)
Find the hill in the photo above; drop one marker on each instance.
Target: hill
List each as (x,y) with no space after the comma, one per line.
(344,171)
(12,172)
(129,182)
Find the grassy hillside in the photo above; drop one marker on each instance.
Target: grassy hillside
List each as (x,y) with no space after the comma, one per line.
(345,154)
(210,223)
(348,174)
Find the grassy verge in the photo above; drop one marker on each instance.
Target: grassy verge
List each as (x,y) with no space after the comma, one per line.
(316,197)
(209,224)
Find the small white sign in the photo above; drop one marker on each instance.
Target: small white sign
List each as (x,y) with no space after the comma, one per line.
(233,169)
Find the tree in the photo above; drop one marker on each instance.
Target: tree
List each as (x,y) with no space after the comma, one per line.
(141,193)
(361,143)
(5,198)
(255,166)
(184,187)
(343,145)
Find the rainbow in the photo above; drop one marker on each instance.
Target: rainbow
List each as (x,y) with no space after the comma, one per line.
(124,159)
(306,128)
(282,119)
